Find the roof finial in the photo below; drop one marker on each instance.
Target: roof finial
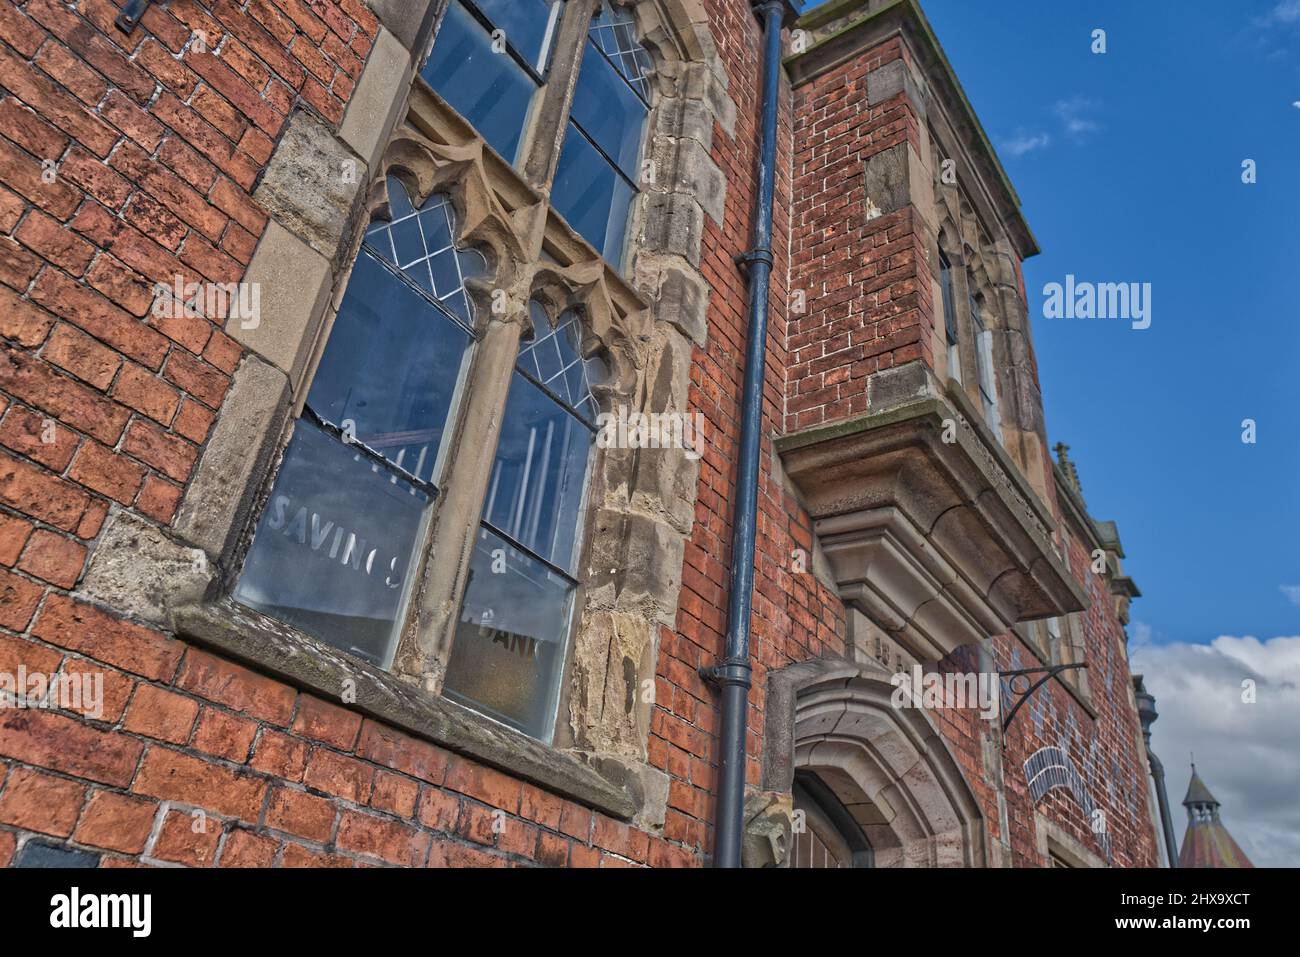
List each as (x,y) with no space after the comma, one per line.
(1071,473)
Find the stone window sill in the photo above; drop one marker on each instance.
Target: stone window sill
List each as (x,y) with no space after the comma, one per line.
(313,666)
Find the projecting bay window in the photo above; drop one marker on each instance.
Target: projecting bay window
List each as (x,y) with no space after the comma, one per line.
(950,318)
(984,364)
(418,400)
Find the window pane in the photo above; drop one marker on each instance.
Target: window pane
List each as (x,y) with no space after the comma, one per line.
(510,642)
(335,546)
(591,196)
(539,477)
(527,25)
(614,31)
(489,89)
(391,369)
(609,112)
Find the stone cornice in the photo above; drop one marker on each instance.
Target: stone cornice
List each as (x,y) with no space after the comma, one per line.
(928,527)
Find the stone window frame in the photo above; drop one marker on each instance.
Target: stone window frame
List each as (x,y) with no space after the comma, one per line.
(641,502)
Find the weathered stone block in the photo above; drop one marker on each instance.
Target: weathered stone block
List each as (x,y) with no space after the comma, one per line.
(311,183)
(137,570)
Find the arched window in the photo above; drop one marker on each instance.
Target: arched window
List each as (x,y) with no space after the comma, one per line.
(826,834)
(410,394)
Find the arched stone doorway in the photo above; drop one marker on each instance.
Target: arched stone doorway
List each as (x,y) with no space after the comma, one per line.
(832,722)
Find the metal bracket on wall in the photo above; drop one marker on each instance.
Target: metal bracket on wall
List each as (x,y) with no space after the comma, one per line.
(1029,688)
(130,16)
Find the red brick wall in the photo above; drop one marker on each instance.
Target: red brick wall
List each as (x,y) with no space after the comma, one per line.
(868,309)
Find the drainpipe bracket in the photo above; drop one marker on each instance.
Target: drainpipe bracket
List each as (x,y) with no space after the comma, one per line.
(731,671)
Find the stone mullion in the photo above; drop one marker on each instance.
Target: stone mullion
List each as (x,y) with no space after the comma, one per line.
(550,118)
(426,645)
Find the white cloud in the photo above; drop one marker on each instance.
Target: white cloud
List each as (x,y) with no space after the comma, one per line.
(1074,114)
(1023,143)
(1247,754)
(1292,592)
(1296,104)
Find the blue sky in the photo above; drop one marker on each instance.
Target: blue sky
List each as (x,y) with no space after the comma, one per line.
(1129,169)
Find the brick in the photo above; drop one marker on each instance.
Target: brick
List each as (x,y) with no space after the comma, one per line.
(39,437)
(23,321)
(486,784)
(116,822)
(18,600)
(95,177)
(199,379)
(78,79)
(53,558)
(131,120)
(41,802)
(301,814)
(103,470)
(164,715)
(246,849)
(188,839)
(25,176)
(55,106)
(14,532)
(239,206)
(159,500)
(451,854)
(236,687)
(280,755)
(224,735)
(146,394)
(75,352)
(68,745)
(322,721)
(18,267)
(40,495)
(29,131)
(339,775)
(39,385)
(295,855)
(121,285)
(395,794)
(439,809)
(96,634)
(172,776)
(172,456)
(401,752)
(387,840)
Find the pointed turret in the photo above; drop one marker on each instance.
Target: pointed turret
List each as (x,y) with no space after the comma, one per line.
(1207,842)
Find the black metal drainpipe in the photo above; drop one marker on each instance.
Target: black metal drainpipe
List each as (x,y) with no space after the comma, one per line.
(1147,714)
(734,671)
